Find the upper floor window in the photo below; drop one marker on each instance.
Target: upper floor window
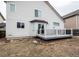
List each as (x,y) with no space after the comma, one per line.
(56,24)
(12,7)
(37,13)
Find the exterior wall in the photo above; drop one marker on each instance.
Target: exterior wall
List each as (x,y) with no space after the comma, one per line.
(1,20)
(24,13)
(70,22)
(78,21)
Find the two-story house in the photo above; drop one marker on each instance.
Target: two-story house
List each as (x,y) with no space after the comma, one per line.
(27,18)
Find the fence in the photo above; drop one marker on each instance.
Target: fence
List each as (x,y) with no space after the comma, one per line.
(59,32)
(75,32)
(2,34)
(55,32)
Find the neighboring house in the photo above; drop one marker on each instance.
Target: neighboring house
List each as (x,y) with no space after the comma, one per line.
(71,20)
(26,18)
(2,24)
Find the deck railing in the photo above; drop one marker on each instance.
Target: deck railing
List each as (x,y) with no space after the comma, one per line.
(55,32)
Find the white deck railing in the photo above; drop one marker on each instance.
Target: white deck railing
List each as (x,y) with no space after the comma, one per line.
(55,32)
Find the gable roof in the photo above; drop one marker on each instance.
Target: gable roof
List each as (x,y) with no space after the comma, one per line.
(53,9)
(71,14)
(2,16)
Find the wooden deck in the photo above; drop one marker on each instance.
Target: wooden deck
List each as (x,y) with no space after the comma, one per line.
(49,37)
(55,34)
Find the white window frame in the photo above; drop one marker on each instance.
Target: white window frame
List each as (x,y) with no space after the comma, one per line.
(56,23)
(12,7)
(39,13)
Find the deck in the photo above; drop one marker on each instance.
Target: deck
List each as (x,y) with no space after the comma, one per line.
(49,37)
(55,34)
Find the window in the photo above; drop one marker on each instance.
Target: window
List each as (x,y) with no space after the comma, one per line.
(37,13)
(12,7)
(20,25)
(56,24)
(39,26)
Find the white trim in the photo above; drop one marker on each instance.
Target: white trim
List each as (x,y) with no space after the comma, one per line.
(10,7)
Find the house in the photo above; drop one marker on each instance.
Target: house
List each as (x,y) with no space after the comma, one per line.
(2,19)
(29,18)
(72,20)
(2,24)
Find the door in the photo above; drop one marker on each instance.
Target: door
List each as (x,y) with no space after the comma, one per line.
(40,28)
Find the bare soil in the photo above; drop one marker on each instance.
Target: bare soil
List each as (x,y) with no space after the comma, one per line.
(39,48)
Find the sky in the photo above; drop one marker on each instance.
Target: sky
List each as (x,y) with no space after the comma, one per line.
(63,7)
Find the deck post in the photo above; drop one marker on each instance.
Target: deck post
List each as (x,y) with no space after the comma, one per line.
(56,31)
(71,32)
(45,32)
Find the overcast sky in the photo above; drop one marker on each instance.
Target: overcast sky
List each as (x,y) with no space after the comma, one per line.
(62,6)
(65,6)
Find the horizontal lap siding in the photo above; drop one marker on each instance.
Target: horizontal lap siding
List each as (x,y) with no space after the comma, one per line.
(78,22)
(70,22)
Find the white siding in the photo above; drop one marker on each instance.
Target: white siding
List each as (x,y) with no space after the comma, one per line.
(24,12)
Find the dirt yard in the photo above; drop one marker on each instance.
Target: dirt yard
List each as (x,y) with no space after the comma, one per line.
(36,47)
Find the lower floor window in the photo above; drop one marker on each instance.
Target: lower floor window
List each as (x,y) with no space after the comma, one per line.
(56,23)
(20,25)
